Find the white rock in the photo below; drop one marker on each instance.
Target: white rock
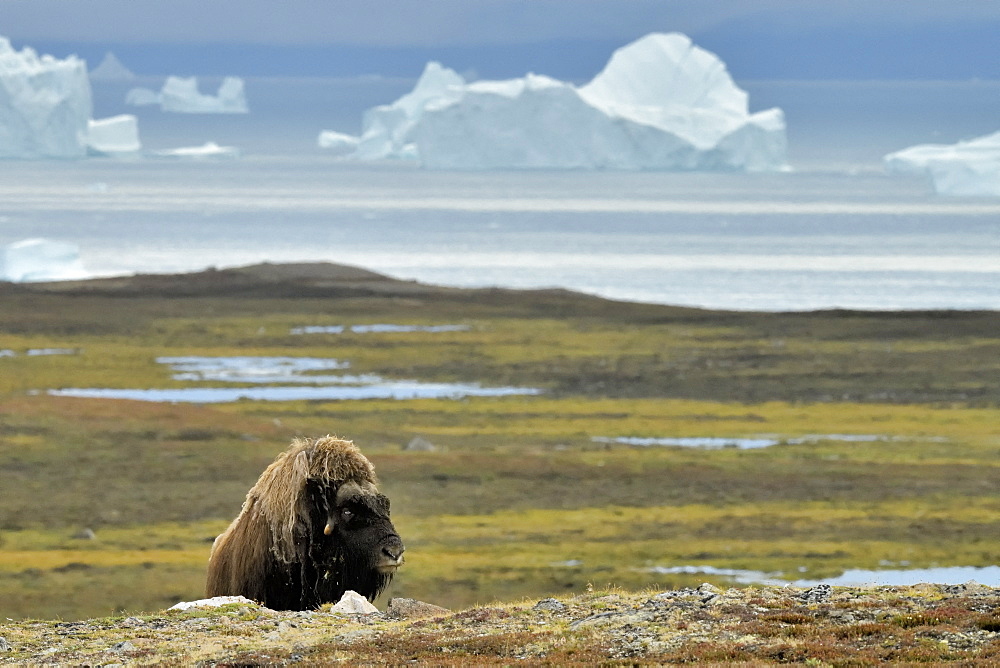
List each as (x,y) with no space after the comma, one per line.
(45,104)
(967,168)
(117,135)
(353,603)
(213,602)
(40,260)
(660,103)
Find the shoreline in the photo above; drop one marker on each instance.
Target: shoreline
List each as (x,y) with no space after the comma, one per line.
(316,279)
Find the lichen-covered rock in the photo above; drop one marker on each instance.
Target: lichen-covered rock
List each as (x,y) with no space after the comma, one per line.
(408,608)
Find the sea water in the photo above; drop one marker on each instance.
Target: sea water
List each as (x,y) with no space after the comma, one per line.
(834,232)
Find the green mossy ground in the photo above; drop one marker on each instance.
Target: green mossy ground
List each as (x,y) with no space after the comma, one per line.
(518,499)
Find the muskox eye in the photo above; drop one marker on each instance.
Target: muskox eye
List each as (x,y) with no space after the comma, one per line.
(346,514)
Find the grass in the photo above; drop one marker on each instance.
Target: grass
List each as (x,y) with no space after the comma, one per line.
(517,499)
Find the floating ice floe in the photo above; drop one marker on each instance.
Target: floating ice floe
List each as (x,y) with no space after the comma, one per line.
(969,168)
(32,260)
(302,380)
(181,95)
(661,103)
(207,151)
(45,103)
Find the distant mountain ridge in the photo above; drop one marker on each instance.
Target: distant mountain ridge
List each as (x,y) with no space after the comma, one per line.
(755,48)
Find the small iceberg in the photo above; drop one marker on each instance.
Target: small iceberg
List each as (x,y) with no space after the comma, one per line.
(968,168)
(114,136)
(181,95)
(39,259)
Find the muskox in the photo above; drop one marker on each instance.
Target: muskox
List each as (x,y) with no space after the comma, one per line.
(313,527)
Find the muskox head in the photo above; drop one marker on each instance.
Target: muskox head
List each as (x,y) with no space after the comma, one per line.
(313,527)
(350,530)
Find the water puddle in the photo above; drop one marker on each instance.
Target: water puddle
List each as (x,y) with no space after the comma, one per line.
(710,443)
(715,443)
(260,369)
(39,352)
(301,378)
(379,329)
(985,575)
(855,577)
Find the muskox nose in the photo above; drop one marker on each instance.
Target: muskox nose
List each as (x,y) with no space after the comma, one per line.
(394,552)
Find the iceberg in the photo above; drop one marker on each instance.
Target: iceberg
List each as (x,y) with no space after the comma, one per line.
(111,69)
(181,95)
(40,260)
(45,104)
(660,103)
(117,135)
(968,168)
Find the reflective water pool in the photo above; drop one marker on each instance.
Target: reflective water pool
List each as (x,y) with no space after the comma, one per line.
(284,379)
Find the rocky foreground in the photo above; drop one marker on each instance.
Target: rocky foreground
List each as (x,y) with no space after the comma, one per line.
(817,626)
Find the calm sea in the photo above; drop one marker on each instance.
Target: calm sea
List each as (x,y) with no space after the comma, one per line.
(834,232)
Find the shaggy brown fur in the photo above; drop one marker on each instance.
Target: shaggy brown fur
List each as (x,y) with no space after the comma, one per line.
(276,544)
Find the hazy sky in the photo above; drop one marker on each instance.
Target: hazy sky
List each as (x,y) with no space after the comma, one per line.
(432,22)
(785,28)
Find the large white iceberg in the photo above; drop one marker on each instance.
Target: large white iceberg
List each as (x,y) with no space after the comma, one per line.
(968,168)
(660,103)
(181,95)
(45,104)
(40,260)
